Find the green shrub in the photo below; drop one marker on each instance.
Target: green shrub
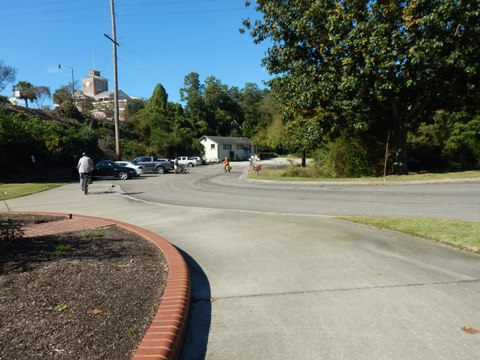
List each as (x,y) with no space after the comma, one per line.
(462,148)
(10,230)
(425,148)
(343,157)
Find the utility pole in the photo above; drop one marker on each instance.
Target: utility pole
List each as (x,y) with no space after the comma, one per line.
(115,81)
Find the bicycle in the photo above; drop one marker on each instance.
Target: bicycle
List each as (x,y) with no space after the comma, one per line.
(85,180)
(182,169)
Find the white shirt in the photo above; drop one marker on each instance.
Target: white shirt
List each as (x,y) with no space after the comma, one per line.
(85,164)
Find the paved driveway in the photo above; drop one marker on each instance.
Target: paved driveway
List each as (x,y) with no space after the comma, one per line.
(210,187)
(290,285)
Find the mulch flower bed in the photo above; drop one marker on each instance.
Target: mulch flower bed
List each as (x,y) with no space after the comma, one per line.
(82,295)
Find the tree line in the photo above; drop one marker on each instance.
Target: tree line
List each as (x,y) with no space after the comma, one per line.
(153,126)
(210,108)
(363,87)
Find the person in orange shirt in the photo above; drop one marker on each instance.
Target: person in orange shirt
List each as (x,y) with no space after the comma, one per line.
(226,165)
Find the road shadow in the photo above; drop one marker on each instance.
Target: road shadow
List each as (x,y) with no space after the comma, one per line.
(200,316)
(133,193)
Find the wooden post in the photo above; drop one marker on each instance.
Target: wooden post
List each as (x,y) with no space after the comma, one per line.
(386,158)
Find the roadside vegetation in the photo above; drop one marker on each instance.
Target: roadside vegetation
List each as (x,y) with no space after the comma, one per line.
(10,191)
(310,173)
(464,235)
(365,89)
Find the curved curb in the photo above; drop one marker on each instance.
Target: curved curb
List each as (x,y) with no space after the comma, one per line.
(166,334)
(164,339)
(379,182)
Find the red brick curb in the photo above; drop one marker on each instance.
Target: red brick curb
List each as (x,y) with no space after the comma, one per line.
(164,339)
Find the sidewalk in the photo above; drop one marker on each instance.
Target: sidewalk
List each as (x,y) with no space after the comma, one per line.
(297,286)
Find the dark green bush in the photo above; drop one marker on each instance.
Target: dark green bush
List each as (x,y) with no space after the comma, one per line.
(343,157)
(10,230)
(462,148)
(450,142)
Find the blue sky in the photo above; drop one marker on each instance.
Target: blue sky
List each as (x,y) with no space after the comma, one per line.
(161,41)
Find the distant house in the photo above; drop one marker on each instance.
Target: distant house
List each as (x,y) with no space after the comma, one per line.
(218,148)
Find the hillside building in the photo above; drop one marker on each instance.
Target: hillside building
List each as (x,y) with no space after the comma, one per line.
(97,99)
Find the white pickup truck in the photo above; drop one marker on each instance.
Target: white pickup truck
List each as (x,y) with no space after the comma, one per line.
(187,161)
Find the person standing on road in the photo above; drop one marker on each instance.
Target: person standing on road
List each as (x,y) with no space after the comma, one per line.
(226,165)
(85,166)
(175,166)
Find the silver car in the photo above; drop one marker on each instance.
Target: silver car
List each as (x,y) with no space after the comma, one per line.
(137,168)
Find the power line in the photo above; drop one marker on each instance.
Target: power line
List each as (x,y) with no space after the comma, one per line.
(89,17)
(50,21)
(163,13)
(55,11)
(23,6)
(169,2)
(151,74)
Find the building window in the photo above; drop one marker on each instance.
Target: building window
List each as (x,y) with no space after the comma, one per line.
(212,147)
(227,146)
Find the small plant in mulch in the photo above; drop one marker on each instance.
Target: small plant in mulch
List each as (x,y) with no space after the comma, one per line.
(61,248)
(96,236)
(10,230)
(11,225)
(131,331)
(58,308)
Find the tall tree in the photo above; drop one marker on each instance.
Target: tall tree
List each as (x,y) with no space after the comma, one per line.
(195,109)
(155,120)
(394,61)
(7,75)
(134,107)
(41,94)
(63,95)
(224,112)
(253,102)
(26,90)
(159,99)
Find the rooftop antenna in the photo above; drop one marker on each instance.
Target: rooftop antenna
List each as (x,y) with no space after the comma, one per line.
(94,59)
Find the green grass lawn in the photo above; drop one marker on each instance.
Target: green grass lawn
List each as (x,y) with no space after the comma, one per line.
(10,191)
(461,234)
(277,175)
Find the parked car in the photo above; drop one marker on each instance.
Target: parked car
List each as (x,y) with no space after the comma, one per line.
(109,169)
(187,161)
(198,159)
(137,168)
(154,164)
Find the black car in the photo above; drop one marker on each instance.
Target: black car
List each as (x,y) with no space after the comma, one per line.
(108,168)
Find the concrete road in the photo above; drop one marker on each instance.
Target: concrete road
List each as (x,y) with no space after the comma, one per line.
(209,187)
(290,285)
